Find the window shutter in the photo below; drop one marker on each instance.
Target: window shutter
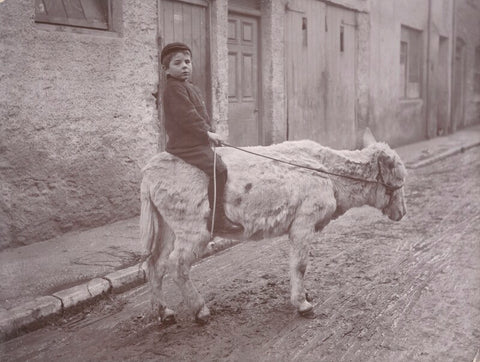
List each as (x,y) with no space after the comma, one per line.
(92,14)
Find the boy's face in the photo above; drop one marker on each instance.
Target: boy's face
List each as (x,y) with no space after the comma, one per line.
(180,66)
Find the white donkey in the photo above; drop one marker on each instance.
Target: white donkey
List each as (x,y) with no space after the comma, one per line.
(267,198)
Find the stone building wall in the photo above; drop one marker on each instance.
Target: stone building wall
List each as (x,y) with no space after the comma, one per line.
(78,121)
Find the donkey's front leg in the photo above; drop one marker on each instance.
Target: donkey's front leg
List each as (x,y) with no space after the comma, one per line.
(299,246)
(298,266)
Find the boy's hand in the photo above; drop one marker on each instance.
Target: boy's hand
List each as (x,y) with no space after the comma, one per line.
(215,138)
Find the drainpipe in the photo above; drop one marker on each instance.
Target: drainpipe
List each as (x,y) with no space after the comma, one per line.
(162,135)
(452,126)
(427,97)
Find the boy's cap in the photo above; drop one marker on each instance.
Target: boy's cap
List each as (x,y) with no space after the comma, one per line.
(173,47)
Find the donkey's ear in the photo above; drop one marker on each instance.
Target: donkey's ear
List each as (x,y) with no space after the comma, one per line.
(368,137)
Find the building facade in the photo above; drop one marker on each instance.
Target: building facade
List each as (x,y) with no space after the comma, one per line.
(81,88)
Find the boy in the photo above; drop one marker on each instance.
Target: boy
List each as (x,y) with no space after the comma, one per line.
(189,128)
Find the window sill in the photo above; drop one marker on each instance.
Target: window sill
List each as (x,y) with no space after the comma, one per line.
(411,100)
(74,30)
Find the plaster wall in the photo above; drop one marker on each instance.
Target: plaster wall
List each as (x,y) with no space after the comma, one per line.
(78,121)
(439,63)
(219,65)
(273,74)
(363,76)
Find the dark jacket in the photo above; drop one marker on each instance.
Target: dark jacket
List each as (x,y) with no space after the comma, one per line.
(186,118)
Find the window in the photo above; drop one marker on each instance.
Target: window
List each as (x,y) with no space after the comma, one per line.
(410,63)
(476,79)
(403,67)
(342,38)
(304,32)
(91,14)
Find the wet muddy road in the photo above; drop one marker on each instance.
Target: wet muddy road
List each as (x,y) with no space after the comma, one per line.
(383,291)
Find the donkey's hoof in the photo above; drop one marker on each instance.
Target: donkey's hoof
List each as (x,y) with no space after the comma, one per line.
(308,315)
(203,316)
(167,317)
(308,297)
(305,309)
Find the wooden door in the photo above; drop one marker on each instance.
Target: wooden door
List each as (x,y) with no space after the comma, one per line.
(320,63)
(341,57)
(306,70)
(243,80)
(186,21)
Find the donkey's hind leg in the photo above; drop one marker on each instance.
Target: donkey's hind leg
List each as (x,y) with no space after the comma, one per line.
(156,270)
(189,247)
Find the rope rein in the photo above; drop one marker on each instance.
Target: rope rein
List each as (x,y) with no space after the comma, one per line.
(389,187)
(214,190)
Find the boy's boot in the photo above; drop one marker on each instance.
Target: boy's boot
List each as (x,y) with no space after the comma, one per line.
(223,225)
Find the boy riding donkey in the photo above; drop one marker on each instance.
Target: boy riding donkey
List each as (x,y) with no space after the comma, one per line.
(190,132)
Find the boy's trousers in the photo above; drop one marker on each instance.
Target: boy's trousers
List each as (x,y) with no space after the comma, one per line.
(202,157)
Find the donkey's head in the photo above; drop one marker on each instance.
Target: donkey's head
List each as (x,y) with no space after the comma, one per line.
(389,193)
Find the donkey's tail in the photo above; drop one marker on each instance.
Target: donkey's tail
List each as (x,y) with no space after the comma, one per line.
(149,223)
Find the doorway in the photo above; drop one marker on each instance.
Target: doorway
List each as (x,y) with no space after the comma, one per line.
(244,122)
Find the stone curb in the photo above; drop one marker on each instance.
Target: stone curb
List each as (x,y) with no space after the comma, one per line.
(124,279)
(442,155)
(18,318)
(31,314)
